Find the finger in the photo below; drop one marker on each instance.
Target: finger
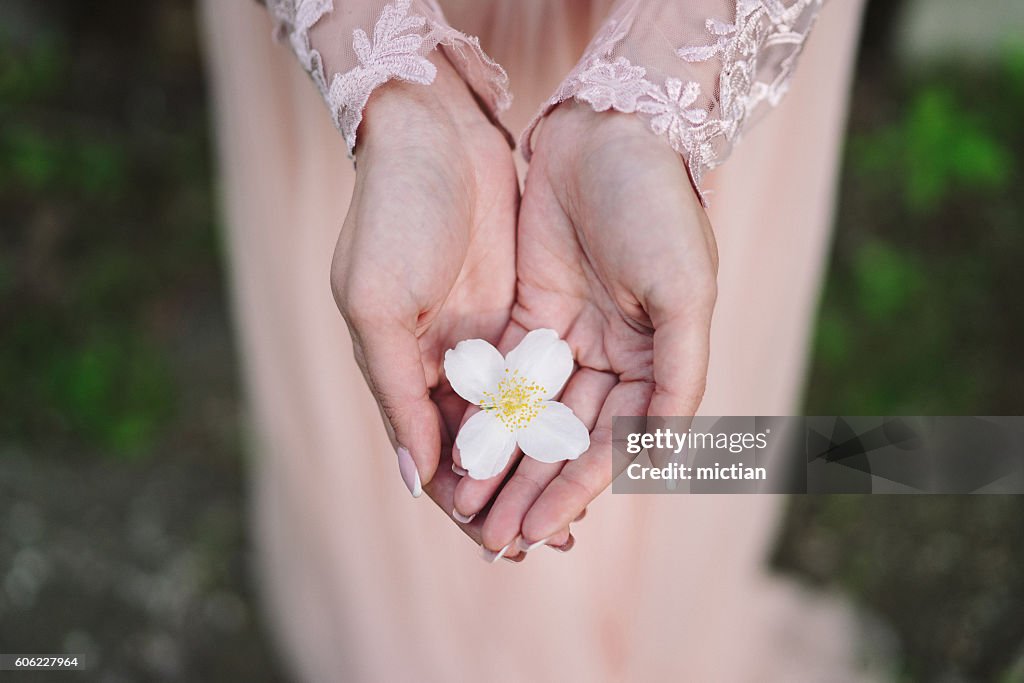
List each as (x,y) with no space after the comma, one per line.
(516,552)
(452,407)
(682,340)
(557,541)
(472,495)
(681,350)
(441,490)
(389,356)
(454,412)
(584,394)
(466,414)
(583,479)
(567,544)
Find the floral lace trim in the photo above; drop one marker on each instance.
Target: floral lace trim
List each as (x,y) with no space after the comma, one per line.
(701,127)
(397,51)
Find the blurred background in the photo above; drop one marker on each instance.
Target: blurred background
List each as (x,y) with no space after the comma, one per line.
(122,461)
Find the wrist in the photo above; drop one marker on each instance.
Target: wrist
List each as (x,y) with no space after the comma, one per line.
(404,110)
(580,123)
(581,134)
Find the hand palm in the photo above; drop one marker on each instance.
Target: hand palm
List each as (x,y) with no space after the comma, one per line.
(616,254)
(426,259)
(478,303)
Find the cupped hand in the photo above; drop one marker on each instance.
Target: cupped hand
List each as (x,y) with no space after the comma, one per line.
(426,258)
(616,253)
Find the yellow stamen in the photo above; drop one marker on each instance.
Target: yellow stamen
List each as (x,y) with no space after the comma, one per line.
(516,403)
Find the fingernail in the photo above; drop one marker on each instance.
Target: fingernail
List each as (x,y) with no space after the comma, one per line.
(409,474)
(515,559)
(465,519)
(567,546)
(527,547)
(458,470)
(490,556)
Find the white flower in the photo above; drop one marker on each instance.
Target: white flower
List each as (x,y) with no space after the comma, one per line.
(515,395)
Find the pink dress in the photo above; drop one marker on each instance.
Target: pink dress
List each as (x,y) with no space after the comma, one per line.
(363,583)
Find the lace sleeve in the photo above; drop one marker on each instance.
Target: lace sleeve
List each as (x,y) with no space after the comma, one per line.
(699,71)
(350,51)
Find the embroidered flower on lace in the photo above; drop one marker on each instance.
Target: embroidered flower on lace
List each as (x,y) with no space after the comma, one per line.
(702,134)
(702,53)
(621,86)
(670,108)
(394,53)
(400,41)
(742,85)
(612,85)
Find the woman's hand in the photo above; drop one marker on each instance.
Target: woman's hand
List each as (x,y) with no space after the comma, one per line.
(615,252)
(425,259)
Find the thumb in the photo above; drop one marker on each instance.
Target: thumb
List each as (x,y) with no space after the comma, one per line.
(681,354)
(390,358)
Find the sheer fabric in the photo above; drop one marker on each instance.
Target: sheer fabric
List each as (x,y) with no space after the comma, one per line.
(698,71)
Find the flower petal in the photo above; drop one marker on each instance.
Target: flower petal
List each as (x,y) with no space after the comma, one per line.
(661,122)
(673,86)
(689,94)
(485,445)
(542,358)
(556,434)
(473,367)
(695,116)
